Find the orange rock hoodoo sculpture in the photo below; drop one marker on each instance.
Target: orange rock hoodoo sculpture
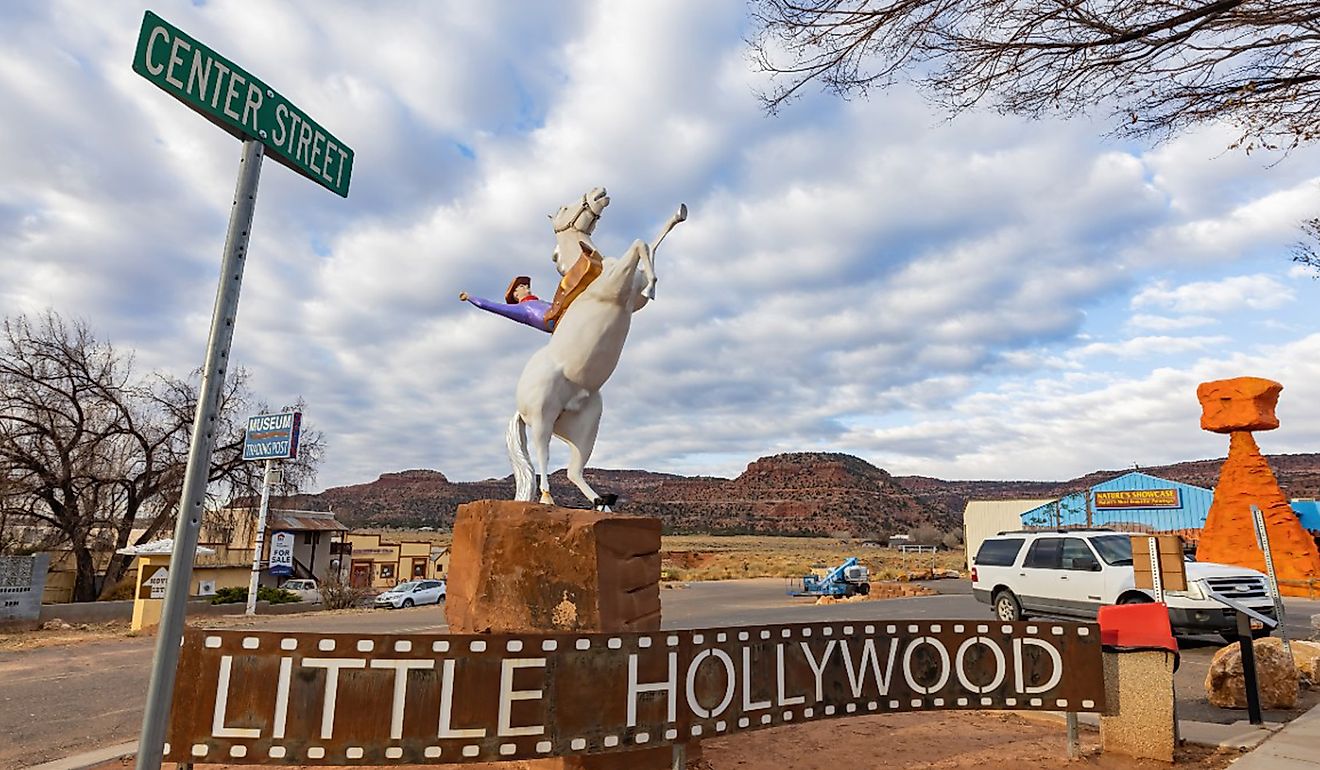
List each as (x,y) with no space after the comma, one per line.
(1238,407)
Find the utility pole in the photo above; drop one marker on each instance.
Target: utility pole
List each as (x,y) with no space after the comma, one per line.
(260,538)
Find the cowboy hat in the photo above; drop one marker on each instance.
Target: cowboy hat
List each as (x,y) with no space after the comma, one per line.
(515,283)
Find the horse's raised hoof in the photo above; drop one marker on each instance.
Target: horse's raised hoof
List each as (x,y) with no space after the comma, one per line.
(546,499)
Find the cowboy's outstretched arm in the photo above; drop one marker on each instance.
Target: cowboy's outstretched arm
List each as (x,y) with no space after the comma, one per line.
(529,313)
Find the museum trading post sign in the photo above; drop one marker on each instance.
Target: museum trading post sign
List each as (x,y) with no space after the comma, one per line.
(272,436)
(333,699)
(240,103)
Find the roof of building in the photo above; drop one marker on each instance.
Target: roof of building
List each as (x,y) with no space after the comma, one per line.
(159,548)
(990,507)
(304,521)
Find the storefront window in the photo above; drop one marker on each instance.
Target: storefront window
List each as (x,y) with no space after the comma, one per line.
(387,572)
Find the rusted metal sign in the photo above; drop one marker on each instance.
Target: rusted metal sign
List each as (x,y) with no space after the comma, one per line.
(334,699)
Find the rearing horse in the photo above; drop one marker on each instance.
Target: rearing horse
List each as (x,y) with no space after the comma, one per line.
(559,390)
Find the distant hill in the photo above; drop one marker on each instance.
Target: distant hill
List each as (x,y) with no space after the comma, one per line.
(792,494)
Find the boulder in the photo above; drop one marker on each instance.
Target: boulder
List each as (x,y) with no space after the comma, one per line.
(1242,403)
(1276,677)
(55,624)
(1306,656)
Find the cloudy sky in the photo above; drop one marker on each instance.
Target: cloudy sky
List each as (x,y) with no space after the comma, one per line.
(978,298)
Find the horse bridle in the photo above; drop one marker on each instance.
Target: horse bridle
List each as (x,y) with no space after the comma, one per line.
(585,208)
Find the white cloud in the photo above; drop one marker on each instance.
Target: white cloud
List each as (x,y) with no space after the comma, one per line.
(1139,347)
(847,265)
(1053,428)
(1255,292)
(1161,323)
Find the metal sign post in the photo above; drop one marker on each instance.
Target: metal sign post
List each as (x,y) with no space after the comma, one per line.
(193,500)
(241,104)
(1244,616)
(1156,574)
(1263,540)
(260,540)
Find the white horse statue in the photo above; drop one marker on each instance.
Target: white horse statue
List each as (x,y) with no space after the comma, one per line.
(559,390)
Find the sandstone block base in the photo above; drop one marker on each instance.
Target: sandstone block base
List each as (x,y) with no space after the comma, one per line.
(1144,724)
(518,567)
(530,567)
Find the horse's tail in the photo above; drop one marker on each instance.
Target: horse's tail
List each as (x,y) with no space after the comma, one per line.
(523,476)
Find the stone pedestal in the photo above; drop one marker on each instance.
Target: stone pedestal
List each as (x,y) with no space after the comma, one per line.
(519,567)
(1141,684)
(531,567)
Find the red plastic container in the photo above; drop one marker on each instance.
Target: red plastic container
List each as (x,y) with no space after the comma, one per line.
(1136,627)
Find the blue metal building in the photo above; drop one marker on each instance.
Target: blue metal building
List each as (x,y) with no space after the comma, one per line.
(1134,501)
(1309,513)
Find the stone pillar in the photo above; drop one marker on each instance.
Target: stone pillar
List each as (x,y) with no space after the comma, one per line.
(522,567)
(1142,725)
(1238,407)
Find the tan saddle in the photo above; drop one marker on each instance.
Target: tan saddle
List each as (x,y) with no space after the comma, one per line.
(587,269)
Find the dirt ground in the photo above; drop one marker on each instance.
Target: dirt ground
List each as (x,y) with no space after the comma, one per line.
(76,634)
(725,557)
(917,741)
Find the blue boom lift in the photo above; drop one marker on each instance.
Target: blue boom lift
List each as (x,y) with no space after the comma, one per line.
(847,579)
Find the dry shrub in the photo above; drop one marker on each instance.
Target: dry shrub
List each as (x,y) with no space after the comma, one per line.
(338,595)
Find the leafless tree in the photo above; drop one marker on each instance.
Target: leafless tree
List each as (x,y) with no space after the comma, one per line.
(926,535)
(1307,250)
(93,453)
(1159,65)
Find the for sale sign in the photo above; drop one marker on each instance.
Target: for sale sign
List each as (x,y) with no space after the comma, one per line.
(272,436)
(249,697)
(281,553)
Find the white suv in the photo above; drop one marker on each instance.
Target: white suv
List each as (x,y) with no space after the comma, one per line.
(1072,573)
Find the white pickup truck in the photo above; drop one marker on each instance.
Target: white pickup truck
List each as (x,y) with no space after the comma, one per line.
(1073,573)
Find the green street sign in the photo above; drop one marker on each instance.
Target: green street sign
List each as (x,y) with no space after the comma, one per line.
(240,103)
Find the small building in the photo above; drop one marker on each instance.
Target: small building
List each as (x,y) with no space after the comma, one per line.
(986,518)
(373,562)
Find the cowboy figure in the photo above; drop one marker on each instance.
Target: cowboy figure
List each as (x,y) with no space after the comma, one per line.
(520,304)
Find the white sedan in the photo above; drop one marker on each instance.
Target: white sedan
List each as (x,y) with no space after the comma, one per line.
(412,593)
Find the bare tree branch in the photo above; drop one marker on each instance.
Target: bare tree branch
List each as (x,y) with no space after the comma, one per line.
(1159,66)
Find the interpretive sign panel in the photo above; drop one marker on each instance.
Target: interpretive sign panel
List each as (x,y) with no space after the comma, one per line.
(272,436)
(333,699)
(240,103)
(22,579)
(1138,498)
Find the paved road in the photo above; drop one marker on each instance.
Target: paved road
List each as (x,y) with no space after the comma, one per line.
(59,701)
